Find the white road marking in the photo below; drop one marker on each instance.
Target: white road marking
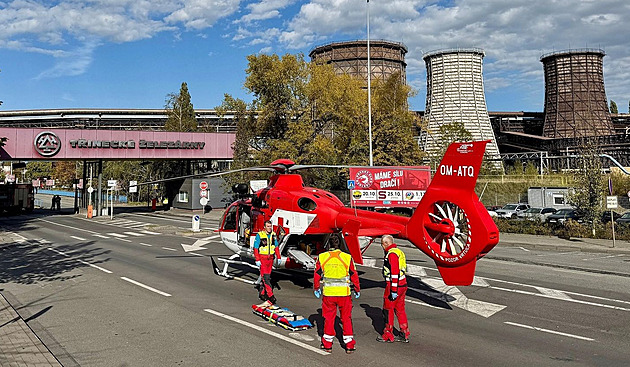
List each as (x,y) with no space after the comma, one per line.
(268,332)
(480,282)
(524,249)
(81,261)
(211,237)
(99,236)
(196,254)
(416,270)
(134,234)
(168,248)
(562,299)
(149,232)
(145,244)
(122,239)
(95,266)
(118,235)
(549,331)
(78,238)
(145,286)
(139,225)
(455,297)
(63,225)
(553,293)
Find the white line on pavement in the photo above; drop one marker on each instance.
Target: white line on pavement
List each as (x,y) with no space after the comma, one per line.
(63,225)
(145,244)
(145,286)
(549,331)
(268,332)
(99,236)
(149,232)
(122,239)
(423,304)
(524,249)
(562,299)
(95,266)
(78,238)
(168,248)
(59,252)
(118,235)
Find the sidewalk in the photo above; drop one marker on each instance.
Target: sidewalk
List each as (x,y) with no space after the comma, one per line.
(19,346)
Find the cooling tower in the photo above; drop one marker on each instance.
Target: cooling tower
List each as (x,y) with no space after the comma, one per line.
(575,98)
(455,94)
(350,58)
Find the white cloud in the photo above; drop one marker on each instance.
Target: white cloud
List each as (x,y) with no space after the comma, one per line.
(265,9)
(71,63)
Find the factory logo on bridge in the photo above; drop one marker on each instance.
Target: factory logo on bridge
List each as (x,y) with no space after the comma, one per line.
(47,144)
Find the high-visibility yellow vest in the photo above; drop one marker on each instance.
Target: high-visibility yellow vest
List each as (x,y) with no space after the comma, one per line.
(336,273)
(267,244)
(402,264)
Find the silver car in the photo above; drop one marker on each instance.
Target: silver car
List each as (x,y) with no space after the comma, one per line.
(511,210)
(536,214)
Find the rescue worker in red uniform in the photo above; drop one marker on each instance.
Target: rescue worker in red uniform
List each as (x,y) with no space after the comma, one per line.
(394,270)
(335,277)
(266,251)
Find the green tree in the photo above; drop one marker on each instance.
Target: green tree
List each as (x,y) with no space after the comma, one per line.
(449,133)
(613,107)
(64,173)
(180,111)
(590,185)
(394,124)
(39,169)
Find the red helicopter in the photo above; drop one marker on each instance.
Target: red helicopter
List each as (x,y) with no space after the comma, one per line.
(449,224)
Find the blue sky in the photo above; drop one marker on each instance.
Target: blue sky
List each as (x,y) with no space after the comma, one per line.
(132,53)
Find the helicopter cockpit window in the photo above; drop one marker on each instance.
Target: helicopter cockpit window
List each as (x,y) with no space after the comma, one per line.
(307,204)
(230,219)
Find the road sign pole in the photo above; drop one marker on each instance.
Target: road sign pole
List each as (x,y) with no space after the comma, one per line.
(612,224)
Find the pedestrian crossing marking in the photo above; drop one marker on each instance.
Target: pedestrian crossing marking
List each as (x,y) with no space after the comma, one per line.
(149,232)
(117,235)
(134,234)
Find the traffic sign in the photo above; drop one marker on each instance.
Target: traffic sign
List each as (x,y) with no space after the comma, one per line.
(203,185)
(351,184)
(203,201)
(611,202)
(111,183)
(629,194)
(203,193)
(90,189)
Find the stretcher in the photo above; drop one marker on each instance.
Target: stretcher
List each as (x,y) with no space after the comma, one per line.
(282,317)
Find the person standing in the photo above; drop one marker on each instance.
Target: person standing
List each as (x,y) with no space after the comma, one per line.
(335,277)
(394,270)
(266,251)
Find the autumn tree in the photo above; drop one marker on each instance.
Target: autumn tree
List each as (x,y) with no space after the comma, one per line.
(180,111)
(590,185)
(64,173)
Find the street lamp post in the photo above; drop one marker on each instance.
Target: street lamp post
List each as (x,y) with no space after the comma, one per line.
(369,80)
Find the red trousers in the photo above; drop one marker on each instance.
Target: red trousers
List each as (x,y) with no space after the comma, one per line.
(266,264)
(396,307)
(329,312)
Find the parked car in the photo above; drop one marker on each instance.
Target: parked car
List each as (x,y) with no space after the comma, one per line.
(511,210)
(537,214)
(492,210)
(606,216)
(624,219)
(563,215)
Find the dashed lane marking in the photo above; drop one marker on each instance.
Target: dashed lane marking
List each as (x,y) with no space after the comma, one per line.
(145,286)
(78,238)
(145,244)
(118,235)
(149,232)
(168,249)
(268,332)
(81,261)
(99,236)
(549,331)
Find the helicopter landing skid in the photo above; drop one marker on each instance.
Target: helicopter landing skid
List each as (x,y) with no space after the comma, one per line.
(226,264)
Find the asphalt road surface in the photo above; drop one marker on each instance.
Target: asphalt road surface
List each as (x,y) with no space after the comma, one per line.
(121,293)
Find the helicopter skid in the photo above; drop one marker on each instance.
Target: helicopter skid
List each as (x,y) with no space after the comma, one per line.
(226,265)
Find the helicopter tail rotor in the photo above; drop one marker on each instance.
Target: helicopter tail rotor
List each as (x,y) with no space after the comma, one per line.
(450,224)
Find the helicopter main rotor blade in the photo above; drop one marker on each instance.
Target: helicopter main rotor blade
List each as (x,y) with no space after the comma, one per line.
(309,166)
(212,174)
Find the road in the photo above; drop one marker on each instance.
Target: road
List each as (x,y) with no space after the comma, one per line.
(122,292)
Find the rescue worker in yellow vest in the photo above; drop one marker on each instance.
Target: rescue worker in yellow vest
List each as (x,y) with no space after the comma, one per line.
(266,251)
(335,278)
(394,270)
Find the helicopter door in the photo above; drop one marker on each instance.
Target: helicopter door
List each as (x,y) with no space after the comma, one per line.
(244,225)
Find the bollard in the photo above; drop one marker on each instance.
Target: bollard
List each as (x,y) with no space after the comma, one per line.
(195,223)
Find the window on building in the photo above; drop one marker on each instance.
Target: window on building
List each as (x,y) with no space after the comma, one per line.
(558,200)
(182,197)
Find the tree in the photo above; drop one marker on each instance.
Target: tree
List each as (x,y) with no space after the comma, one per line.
(64,173)
(394,124)
(3,141)
(39,169)
(180,111)
(449,133)
(590,185)
(613,107)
